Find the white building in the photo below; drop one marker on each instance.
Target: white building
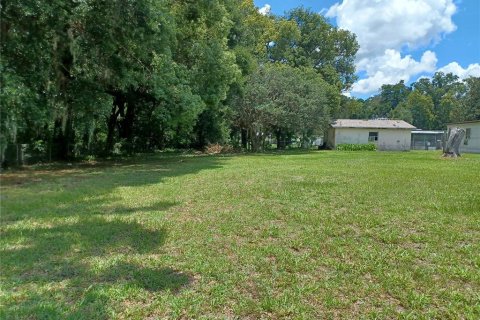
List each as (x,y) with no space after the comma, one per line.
(386,134)
(471,143)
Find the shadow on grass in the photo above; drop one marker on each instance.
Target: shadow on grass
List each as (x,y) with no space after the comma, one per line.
(71,269)
(158,163)
(148,278)
(69,246)
(87,191)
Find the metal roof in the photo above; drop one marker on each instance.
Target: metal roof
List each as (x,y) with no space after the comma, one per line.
(428,131)
(372,124)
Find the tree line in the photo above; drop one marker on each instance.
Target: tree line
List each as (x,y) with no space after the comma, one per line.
(427,103)
(98,77)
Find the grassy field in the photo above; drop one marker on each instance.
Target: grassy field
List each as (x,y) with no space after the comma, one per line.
(301,235)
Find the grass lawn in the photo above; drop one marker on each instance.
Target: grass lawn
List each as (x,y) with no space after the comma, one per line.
(297,235)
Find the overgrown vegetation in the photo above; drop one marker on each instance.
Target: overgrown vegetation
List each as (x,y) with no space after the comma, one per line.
(89,78)
(290,235)
(356,147)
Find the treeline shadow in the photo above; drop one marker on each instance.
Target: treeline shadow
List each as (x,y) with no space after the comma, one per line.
(88,190)
(51,239)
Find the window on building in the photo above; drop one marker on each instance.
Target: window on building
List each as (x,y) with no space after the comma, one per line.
(373,136)
(468,133)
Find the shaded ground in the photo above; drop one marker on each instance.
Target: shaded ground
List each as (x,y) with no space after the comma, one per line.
(320,234)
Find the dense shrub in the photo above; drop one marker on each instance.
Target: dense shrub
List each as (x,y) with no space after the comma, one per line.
(356,147)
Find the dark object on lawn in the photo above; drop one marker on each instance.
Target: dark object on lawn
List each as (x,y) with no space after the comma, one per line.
(452,145)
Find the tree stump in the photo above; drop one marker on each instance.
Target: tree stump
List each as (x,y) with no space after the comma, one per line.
(452,145)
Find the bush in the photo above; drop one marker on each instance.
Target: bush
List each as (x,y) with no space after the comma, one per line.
(356,147)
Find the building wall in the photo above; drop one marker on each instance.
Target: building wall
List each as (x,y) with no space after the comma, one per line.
(473,144)
(388,139)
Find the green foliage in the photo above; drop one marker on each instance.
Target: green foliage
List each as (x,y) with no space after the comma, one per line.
(392,96)
(350,108)
(100,77)
(445,91)
(427,103)
(421,107)
(402,112)
(305,39)
(328,49)
(472,99)
(356,147)
(280,100)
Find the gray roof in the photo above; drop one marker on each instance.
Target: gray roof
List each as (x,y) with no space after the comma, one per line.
(419,131)
(372,124)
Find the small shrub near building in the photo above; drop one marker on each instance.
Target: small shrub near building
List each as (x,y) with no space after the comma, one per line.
(357,147)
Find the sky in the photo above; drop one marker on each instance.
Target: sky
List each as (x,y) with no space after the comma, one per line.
(401,39)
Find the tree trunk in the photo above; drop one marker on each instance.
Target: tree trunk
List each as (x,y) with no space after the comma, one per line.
(280,140)
(118,105)
(63,136)
(452,145)
(305,142)
(244,138)
(128,122)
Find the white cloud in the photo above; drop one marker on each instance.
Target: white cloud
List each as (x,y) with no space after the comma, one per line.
(386,27)
(393,24)
(472,70)
(323,11)
(265,10)
(390,68)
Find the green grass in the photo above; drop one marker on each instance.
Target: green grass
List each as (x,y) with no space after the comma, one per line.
(295,235)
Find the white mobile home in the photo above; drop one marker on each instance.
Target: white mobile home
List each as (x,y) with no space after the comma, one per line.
(386,134)
(471,143)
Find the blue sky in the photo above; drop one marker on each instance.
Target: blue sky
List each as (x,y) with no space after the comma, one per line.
(402,39)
